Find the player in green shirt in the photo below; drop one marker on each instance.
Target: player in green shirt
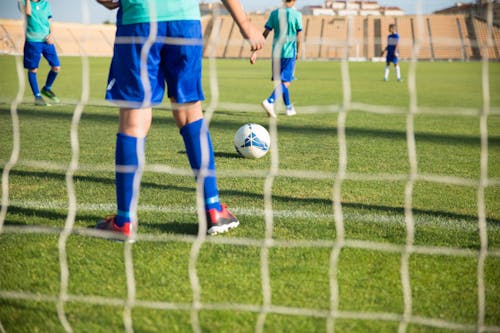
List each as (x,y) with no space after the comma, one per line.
(146,57)
(40,42)
(287,25)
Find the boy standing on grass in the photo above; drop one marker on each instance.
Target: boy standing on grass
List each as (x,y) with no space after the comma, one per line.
(145,57)
(287,25)
(39,41)
(392,50)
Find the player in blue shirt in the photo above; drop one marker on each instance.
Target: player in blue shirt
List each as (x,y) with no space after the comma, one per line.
(392,50)
(287,25)
(141,65)
(40,41)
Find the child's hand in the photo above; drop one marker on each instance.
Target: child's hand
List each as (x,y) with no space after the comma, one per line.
(49,39)
(109,4)
(253,36)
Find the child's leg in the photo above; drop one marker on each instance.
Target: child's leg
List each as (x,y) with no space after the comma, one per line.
(272,97)
(199,150)
(197,138)
(32,79)
(286,94)
(129,152)
(50,53)
(129,160)
(51,77)
(31,61)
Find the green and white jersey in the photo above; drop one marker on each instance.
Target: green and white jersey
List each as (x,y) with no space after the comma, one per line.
(38,24)
(286,39)
(142,11)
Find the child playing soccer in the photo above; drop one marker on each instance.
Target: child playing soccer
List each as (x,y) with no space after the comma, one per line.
(392,50)
(140,67)
(287,25)
(40,41)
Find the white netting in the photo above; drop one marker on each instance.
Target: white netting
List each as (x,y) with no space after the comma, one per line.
(338,176)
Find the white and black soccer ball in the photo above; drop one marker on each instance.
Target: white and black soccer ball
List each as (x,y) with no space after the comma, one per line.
(252,141)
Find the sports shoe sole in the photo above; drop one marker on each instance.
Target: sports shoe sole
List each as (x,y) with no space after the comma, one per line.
(44,103)
(220,229)
(114,235)
(54,99)
(270,113)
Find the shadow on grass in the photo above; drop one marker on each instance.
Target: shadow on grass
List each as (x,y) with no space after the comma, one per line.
(59,215)
(92,179)
(416,211)
(225,124)
(57,220)
(179,228)
(218,154)
(191,228)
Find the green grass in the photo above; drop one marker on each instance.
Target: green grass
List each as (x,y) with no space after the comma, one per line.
(443,287)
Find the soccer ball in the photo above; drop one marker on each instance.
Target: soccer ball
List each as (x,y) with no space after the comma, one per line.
(252,141)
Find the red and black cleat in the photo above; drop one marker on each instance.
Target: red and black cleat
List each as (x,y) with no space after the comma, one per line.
(221,221)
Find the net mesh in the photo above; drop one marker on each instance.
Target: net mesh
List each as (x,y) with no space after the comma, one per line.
(338,176)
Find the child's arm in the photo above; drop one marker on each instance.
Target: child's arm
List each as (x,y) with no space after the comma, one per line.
(383,52)
(247,29)
(26,8)
(49,39)
(299,44)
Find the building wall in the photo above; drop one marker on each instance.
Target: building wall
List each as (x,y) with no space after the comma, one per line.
(438,37)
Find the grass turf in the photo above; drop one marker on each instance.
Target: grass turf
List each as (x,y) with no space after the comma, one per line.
(443,287)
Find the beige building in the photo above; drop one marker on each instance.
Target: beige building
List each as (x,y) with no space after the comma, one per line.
(479,9)
(444,36)
(352,8)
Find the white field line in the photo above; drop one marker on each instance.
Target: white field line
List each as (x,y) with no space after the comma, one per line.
(350,217)
(458,225)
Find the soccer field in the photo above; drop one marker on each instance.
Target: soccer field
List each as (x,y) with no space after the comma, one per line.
(301,260)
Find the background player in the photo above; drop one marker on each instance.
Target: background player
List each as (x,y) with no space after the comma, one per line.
(287,48)
(392,50)
(40,41)
(180,67)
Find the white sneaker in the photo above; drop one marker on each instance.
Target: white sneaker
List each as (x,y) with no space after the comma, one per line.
(290,111)
(269,108)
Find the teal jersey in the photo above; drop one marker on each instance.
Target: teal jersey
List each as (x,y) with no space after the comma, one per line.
(143,11)
(38,24)
(286,40)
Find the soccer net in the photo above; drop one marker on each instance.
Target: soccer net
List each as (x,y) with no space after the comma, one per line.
(338,176)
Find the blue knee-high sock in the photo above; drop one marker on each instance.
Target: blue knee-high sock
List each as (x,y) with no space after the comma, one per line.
(51,77)
(286,95)
(33,83)
(191,133)
(272,97)
(127,153)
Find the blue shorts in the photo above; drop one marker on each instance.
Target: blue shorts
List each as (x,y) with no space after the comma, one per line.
(391,58)
(179,66)
(33,52)
(287,69)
